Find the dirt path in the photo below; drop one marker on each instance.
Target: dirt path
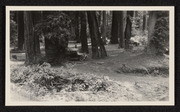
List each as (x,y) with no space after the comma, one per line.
(151,85)
(116,58)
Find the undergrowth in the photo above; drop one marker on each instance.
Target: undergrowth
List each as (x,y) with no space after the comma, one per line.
(46,83)
(43,79)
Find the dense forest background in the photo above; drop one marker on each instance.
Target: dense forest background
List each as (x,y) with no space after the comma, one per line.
(31,30)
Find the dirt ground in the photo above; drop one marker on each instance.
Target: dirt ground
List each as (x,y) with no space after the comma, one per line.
(145,87)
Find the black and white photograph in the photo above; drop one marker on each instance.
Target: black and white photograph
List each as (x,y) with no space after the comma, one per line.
(89,55)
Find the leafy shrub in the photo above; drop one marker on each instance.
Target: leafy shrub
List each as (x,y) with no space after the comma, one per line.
(138,20)
(13,33)
(161,34)
(42,82)
(55,26)
(141,40)
(56,30)
(43,79)
(13,29)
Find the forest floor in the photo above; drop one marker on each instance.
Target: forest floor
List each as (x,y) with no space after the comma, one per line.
(143,76)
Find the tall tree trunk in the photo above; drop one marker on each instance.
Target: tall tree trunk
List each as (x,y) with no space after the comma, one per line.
(73,33)
(46,40)
(135,14)
(84,44)
(151,25)
(144,21)
(32,54)
(36,16)
(77,26)
(118,28)
(121,26)
(128,29)
(99,19)
(114,29)
(20,22)
(104,25)
(98,49)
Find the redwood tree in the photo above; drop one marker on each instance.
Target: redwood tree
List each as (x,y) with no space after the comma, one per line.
(83,36)
(104,25)
(121,24)
(128,29)
(20,22)
(72,25)
(98,49)
(77,26)
(151,26)
(117,32)
(49,53)
(31,42)
(135,13)
(158,32)
(115,26)
(144,21)
(37,18)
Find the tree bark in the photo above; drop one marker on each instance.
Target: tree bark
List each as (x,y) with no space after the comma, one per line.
(83,37)
(135,14)
(99,18)
(73,33)
(98,49)
(104,25)
(77,27)
(128,29)
(114,29)
(121,24)
(118,28)
(32,54)
(20,22)
(151,25)
(36,16)
(46,40)
(144,21)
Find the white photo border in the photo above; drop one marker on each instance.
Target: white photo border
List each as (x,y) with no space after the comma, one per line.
(171,101)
